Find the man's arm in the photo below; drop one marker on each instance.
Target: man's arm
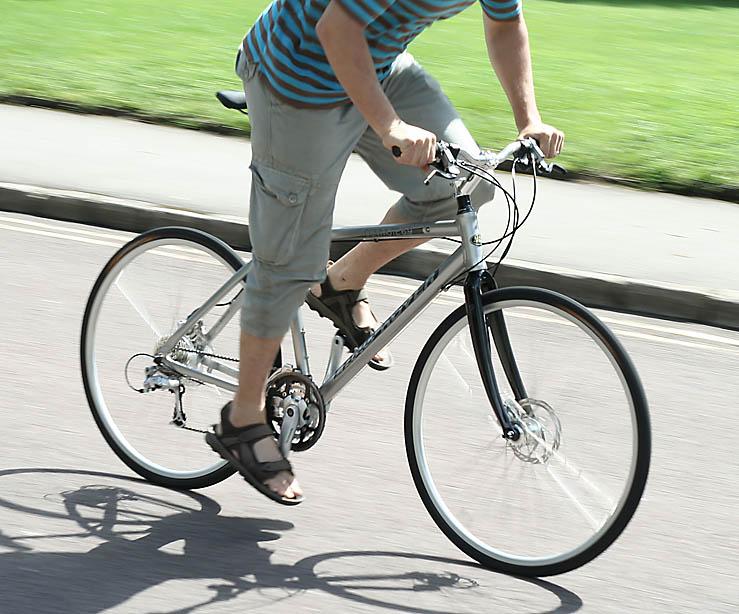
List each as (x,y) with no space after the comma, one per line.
(343,40)
(508,48)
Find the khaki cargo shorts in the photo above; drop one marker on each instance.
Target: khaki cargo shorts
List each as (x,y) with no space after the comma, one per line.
(298,156)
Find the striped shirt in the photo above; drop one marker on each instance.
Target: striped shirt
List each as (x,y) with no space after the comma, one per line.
(284,45)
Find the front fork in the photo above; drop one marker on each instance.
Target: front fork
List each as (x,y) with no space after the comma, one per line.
(477,283)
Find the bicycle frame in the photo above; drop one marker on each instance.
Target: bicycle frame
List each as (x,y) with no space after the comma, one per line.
(469,258)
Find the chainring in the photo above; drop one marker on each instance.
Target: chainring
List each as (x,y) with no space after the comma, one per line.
(279,386)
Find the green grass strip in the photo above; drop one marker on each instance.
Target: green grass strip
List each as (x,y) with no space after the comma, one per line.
(645,90)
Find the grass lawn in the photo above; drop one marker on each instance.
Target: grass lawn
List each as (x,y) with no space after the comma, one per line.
(645,89)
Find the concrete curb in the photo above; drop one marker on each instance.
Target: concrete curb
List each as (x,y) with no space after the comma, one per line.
(661,300)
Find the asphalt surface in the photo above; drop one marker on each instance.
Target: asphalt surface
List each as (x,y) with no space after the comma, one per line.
(78,534)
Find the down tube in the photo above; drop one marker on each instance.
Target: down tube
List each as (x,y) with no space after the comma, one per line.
(394,325)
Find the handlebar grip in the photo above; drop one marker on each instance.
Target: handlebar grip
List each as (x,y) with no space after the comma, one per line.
(396,151)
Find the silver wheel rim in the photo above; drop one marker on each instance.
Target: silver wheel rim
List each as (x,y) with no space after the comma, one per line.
(95,389)
(420,457)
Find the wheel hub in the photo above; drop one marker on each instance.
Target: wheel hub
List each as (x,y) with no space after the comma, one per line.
(189,349)
(540,430)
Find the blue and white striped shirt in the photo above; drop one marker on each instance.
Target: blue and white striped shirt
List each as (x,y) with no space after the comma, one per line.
(284,45)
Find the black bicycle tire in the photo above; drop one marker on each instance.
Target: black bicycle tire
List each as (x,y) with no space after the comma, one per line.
(175,232)
(641,410)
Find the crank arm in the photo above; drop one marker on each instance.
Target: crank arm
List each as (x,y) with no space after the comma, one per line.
(290,422)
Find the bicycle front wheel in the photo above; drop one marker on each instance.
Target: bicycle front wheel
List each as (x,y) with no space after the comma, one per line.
(564,491)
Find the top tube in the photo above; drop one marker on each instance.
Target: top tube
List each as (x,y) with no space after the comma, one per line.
(390,232)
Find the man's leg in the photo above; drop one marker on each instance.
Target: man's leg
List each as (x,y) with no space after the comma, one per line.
(419,101)
(298,156)
(257,356)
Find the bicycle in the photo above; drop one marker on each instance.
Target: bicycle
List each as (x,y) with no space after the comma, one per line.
(550,440)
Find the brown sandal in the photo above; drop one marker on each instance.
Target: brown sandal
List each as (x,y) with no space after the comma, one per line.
(336,305)
(227,439)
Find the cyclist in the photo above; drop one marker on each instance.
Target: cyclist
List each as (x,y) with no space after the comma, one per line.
(325,78)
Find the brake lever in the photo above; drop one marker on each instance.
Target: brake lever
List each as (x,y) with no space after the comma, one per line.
(444,166)
(431,175)
(545,166)
(551,168)
(451,174)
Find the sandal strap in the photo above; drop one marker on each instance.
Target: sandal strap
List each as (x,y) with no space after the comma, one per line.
(243,439)
(255,433)
(341,302)
(272,468)
(262,471)
(250,434)
(331,295)
(336,305)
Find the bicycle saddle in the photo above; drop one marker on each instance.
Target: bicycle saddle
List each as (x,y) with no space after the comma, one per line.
(232,99)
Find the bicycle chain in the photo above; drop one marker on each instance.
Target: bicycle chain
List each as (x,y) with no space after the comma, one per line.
(202,353)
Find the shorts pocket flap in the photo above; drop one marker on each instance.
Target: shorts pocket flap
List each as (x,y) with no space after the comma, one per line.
(291,190)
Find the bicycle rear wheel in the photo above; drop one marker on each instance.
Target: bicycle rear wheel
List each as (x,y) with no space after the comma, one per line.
(560,495)
(145,291)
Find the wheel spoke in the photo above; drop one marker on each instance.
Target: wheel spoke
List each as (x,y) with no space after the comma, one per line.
(558,460)
(138,307)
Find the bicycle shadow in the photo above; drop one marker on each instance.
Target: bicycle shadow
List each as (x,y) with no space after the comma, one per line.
(140,550)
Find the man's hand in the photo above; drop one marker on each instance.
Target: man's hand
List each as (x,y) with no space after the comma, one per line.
(418,146)
(549,138)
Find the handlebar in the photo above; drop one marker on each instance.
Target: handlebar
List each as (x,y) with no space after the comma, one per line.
(449,156)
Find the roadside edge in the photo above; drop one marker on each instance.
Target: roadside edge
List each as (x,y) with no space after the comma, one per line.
(596,290)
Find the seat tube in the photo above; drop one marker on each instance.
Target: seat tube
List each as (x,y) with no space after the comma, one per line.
(473,289)
(297,330)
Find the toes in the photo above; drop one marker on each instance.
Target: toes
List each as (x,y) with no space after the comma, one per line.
(295,487)
(382,356)
(284,485)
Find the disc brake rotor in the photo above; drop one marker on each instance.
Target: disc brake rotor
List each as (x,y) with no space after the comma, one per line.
(541,430)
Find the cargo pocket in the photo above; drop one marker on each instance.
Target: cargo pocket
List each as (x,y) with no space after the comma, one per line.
(275,215)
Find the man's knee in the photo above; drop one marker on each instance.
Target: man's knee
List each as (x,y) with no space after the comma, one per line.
(443,206)
(274,293)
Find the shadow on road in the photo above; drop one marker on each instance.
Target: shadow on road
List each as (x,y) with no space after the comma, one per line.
(143,541)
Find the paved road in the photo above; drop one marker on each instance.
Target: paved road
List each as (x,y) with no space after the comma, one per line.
(77,534)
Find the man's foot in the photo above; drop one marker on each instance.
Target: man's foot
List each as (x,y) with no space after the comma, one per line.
(253,450)
(361,314)
(284,483)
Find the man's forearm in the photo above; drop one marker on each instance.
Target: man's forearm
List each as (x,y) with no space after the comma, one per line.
(348,53)
(508,49)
